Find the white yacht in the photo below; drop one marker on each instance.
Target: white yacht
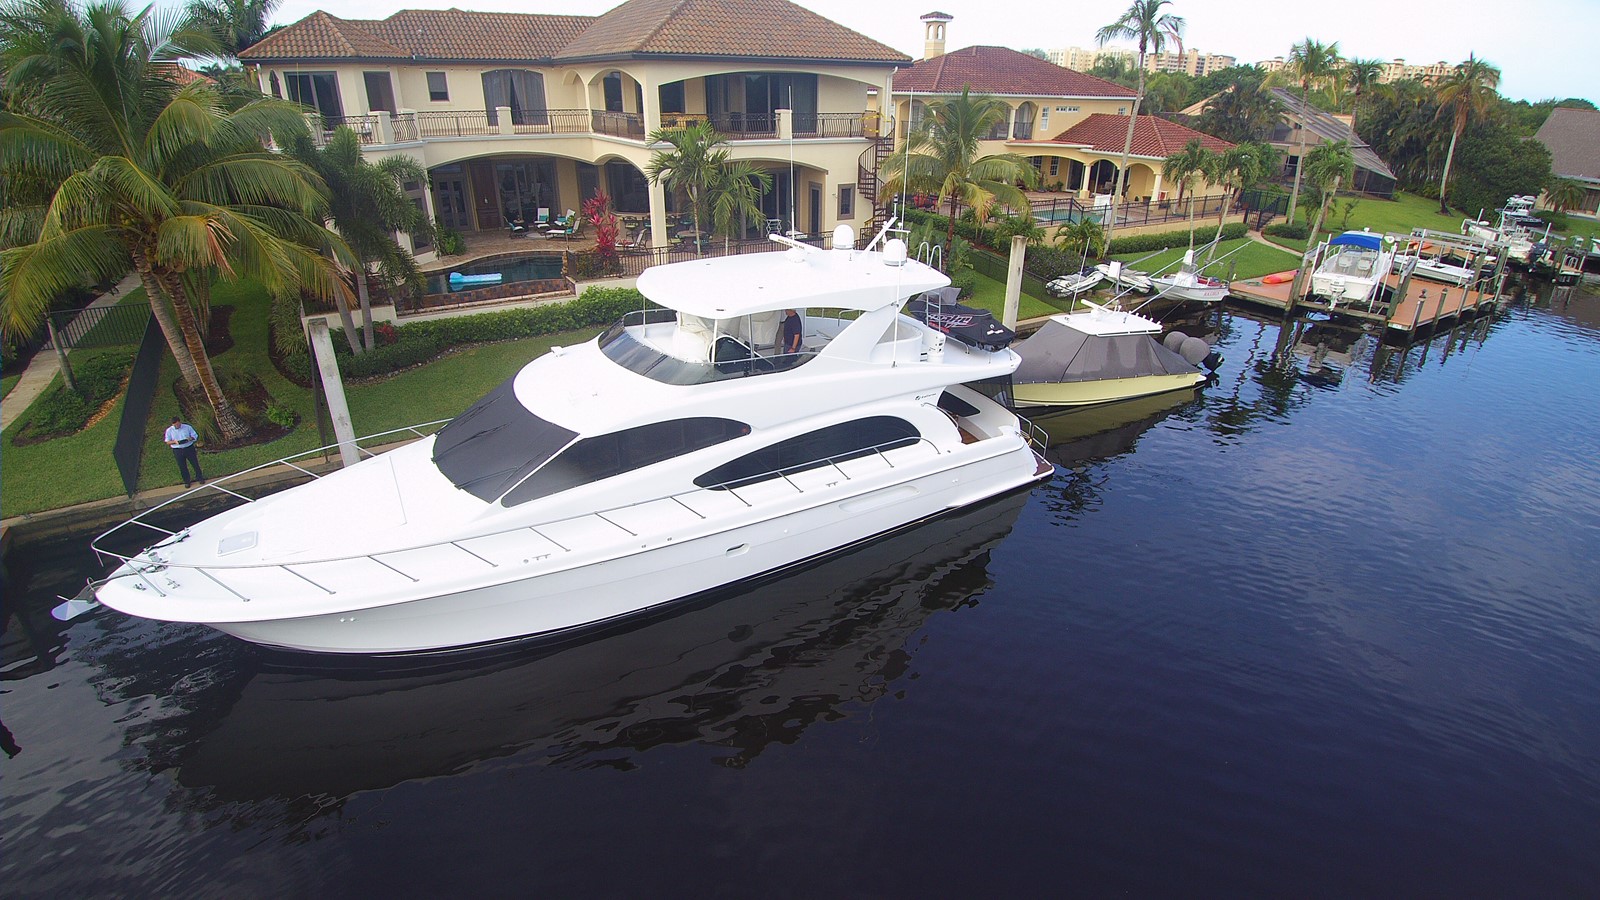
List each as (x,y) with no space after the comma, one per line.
(679,452)
(1353,267)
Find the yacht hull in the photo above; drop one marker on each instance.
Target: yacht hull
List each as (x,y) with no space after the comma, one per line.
(548,604)
(1106,390)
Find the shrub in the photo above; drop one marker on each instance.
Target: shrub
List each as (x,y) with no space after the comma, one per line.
(1053,262)
(1296,231)
(451,243)
(63,411)
(965,281)
(421,341)
(281,415)
(1557,219)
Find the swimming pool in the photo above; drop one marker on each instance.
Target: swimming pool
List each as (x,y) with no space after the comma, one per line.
(532,267)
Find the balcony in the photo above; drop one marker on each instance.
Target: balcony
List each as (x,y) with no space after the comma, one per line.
(381,129)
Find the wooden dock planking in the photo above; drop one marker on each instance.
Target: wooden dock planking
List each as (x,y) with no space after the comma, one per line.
(1420,307)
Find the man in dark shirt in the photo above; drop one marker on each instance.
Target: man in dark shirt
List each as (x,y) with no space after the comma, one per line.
(792,329)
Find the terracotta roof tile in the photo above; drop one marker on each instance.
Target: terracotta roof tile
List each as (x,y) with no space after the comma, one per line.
(1152,137)
(431,34)
(322,36)
(1001,70)
(1573,137)
(771,29)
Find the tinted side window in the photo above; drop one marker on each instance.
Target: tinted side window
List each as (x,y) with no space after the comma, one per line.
(835,443)
(606,455)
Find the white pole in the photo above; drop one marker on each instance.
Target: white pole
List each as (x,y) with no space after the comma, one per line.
(338,409)
(1019,249)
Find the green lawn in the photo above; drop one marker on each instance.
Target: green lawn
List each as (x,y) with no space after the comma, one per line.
(1253,261)
(62,471)
(9,382)
(991,295)
(79,468)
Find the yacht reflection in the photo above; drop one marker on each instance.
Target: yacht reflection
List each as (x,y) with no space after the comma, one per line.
(1109,430)
(738,672)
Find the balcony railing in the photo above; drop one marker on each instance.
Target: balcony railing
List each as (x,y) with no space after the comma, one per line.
(365,127)
(618,124)
(550,121)
(746,125)
(827,125)
(466,123)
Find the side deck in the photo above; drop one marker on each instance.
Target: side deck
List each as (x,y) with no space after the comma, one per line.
(1420,303)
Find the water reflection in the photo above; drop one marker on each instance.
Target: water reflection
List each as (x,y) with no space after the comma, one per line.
(739,673)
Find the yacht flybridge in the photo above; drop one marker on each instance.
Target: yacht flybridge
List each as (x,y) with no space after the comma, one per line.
(681,451)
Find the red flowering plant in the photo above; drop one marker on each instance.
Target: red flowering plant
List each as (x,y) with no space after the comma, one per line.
(597,210)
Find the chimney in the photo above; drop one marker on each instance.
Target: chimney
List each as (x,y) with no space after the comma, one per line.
(933,25)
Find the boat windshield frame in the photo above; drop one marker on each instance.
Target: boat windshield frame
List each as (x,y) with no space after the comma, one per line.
(626,350)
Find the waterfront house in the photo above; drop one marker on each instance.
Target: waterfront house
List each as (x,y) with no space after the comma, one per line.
(516,114)
(1573,138)
(1072,125)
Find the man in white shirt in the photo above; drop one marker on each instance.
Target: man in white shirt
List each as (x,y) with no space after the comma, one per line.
(181,437)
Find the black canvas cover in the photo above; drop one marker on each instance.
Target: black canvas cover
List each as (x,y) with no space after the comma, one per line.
(1057,353)
(969,325)
(496,443)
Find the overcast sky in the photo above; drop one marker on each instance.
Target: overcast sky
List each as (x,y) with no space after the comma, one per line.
(1544,48)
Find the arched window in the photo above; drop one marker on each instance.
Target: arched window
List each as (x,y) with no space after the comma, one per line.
(1023,129)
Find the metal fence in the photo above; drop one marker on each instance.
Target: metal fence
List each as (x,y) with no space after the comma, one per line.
(101,326)
(128,449)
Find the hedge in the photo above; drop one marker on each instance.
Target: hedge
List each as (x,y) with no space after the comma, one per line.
(421,341)
(1166,240)
(64,411)
(1292,230)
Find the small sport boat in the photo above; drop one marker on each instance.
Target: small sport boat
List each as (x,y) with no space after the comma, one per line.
(1101,356)
(1353,267)
(1075,283)
(967,324)
(1189,284)
(682,451)
(1124,278)
(1436,270)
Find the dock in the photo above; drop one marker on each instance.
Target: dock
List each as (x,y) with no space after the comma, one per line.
(1425,304)
(1409,300)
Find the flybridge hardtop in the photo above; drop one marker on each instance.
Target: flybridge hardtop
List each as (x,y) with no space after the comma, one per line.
(842,278)
(681,451)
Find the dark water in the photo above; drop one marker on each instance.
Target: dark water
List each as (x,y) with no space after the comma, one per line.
(1330,627)
(532,267)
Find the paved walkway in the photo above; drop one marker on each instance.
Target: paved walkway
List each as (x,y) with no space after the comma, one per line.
(44,367)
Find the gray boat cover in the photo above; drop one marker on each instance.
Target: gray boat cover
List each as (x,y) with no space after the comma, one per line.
(1058,353)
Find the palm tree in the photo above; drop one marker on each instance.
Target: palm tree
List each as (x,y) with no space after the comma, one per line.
(1364,76)
(1085,233)
(141,174)
(1243,111)
(1193,161)
(736,198)
(1242,167)
(693,166)
(1327,167)
(1146,23)
(1564,193)
(235,24)
(1467,93)
(942,157)
(368,204)
(1309,62)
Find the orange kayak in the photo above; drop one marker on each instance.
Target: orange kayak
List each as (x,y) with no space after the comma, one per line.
(1280,277)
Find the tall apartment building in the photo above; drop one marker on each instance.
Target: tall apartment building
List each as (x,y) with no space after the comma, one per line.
(1393,70)
(1189,62)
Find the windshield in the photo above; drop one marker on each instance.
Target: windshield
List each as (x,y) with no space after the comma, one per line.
(733,358)
(495,444)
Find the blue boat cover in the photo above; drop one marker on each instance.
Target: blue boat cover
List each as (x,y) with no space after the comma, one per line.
(1357,239)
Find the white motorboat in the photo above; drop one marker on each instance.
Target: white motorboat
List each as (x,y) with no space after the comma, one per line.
(1076,283)
(1353,267)
(1188,283)
(677,453)
(1123,278)
(1100,356)
(1436,269)
(1513,233)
